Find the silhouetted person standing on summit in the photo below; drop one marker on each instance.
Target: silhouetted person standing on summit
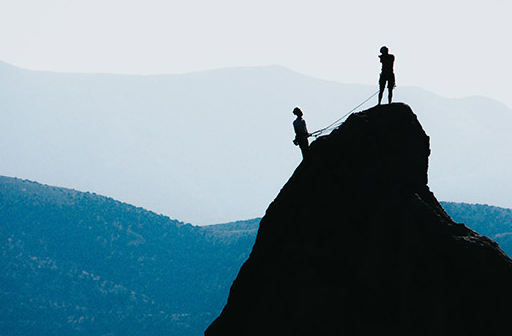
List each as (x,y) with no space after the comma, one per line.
(301,132)
(387,74)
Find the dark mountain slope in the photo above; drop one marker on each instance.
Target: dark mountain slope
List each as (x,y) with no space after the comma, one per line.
(491,221)
(74,263)
(356,244)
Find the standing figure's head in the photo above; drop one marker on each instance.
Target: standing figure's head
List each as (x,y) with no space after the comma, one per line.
(297,112)
(384,50)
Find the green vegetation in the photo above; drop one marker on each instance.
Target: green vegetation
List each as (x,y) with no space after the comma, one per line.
(77,263)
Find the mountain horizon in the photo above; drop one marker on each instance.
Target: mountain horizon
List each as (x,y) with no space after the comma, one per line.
(196,146)
(5,64)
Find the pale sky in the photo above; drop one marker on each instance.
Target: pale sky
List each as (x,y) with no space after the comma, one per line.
(454,48)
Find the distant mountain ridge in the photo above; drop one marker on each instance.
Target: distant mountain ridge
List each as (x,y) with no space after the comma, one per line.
(196,146)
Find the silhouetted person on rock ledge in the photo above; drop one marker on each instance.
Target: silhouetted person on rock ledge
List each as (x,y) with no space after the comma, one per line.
(301,132)
(387,74)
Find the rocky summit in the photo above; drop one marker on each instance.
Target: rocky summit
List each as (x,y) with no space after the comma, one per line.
(356,244)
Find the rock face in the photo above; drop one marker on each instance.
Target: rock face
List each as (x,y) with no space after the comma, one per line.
(356,244)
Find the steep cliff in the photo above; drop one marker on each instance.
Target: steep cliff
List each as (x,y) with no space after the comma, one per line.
(356,244)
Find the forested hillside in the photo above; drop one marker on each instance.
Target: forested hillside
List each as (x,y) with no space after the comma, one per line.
(76,263)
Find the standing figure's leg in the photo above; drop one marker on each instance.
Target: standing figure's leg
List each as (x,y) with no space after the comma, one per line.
(304,147)
(382,86)
(391,86)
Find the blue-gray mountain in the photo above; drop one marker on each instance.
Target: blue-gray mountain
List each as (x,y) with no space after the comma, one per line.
(160,132)
(75,263)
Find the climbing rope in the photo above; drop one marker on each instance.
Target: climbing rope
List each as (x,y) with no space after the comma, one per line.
(338,122)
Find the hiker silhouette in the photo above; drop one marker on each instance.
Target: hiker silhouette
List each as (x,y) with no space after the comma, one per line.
(301,132)
(387,75)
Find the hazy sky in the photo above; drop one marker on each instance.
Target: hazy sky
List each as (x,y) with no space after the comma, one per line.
(451,47)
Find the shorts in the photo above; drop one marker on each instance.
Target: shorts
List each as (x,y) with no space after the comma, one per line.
(390,78)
